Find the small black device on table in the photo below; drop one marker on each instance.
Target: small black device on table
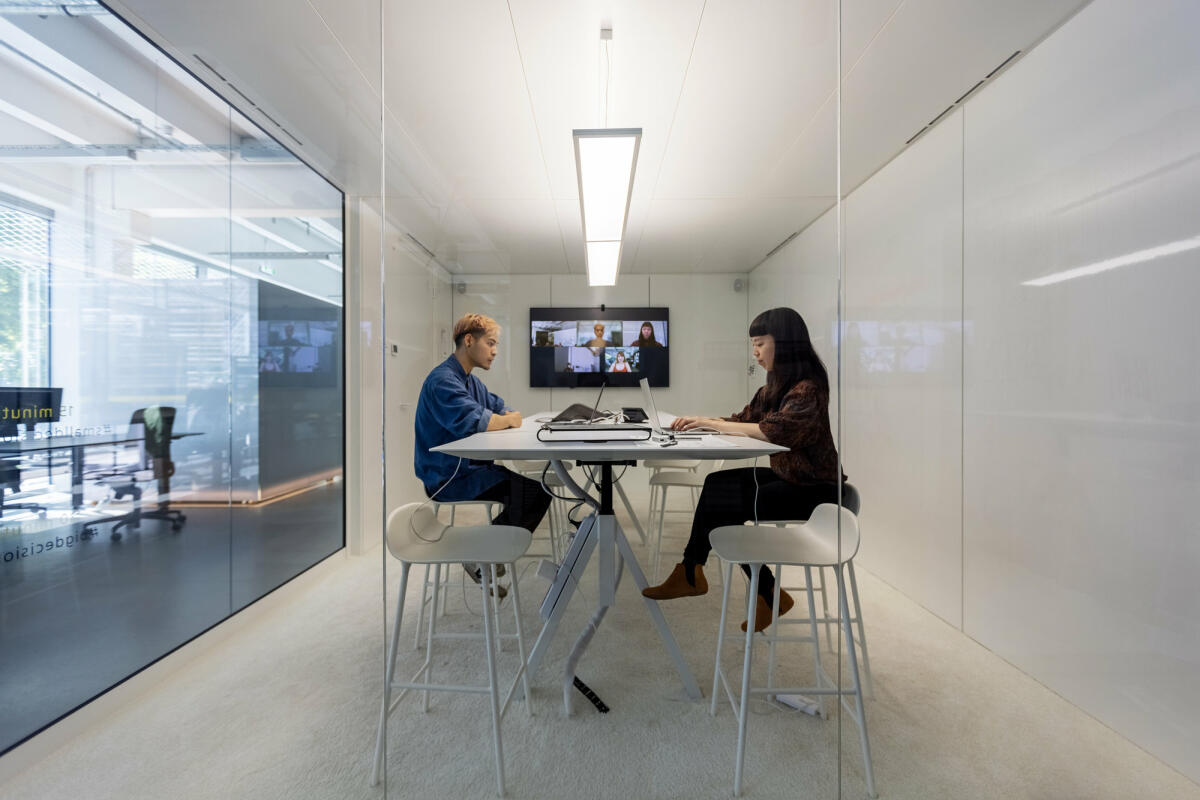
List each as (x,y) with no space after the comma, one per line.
(634,414)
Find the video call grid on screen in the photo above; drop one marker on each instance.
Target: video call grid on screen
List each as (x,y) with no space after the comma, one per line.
(587,346)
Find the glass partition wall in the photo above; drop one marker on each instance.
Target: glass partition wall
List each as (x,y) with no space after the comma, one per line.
(170,360)
(982,213)
(736,140)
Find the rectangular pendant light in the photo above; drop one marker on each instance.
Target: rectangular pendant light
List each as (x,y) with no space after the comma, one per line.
(605,160)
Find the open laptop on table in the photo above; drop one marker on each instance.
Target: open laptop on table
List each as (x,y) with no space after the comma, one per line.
(578,412)
(655,423)
(591,425)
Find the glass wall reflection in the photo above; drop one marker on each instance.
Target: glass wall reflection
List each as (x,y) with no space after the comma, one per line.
(170,360)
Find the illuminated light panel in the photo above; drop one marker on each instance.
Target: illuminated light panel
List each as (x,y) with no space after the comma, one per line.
(603,259)
(605,162)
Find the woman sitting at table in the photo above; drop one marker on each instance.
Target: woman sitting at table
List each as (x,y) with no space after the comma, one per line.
(791,410)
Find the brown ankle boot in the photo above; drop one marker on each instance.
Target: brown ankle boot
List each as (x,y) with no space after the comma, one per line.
(762,611)
(676,585)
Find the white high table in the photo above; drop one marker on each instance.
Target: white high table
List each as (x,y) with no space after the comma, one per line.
(599,531)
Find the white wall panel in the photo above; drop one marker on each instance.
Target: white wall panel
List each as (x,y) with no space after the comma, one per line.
(1081,438)
(902,369)
(1077,401)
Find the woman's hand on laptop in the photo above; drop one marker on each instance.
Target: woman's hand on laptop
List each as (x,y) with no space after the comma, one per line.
(691,423)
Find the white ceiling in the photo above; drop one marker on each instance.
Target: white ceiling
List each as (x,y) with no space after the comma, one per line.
(736,101)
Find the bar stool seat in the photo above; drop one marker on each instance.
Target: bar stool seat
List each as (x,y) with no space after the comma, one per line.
(485,544)
(829,538)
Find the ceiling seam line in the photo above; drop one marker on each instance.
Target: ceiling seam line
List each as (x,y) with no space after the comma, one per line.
(388,112)
(833,93)
(538,132)
(337,39)
(876,35)
(670,129)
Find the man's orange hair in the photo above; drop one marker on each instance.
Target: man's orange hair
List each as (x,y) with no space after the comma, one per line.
(475,324)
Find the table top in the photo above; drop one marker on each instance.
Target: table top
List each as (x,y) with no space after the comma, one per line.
(61,442)
(522,443)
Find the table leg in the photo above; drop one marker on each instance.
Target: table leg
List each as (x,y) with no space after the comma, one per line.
(606,590)
(637,523)
(689,682)
(602,528)
(565,583)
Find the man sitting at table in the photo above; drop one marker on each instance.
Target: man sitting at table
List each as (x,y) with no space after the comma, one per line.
(454,404)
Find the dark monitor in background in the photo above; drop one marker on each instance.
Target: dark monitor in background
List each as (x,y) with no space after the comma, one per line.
(298,352)
(28,405)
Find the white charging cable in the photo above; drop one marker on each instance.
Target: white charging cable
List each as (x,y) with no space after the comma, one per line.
(413,528)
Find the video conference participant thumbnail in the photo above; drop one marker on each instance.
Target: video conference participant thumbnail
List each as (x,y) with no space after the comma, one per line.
(601,333)
(547,333)
(576,359)
(648,333)
(621,359)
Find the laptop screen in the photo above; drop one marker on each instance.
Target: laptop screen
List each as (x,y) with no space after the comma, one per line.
(648,402)
(596,407)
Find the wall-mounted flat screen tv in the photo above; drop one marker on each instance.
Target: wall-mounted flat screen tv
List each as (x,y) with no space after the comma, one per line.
(587,346)
(297,352)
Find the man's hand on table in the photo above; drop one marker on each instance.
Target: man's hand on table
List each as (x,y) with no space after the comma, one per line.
(509,419)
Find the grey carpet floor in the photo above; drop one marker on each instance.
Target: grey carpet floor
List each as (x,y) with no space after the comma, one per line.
(287,709)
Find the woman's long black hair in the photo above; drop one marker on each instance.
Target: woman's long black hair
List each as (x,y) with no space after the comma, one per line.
(795,358)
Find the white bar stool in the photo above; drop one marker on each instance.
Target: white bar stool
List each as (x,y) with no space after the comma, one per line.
(489,507)
(661,482)
(655,467)
(812,544)
(853,501)
(416,536)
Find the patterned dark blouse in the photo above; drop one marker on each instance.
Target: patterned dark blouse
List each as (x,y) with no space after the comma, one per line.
(801,424)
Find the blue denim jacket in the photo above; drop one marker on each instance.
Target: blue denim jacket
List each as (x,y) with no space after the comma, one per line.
(452,406)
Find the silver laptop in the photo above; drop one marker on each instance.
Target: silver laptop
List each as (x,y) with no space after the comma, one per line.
(655,422)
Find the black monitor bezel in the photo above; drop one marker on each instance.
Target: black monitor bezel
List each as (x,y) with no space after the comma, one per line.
(604,312)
